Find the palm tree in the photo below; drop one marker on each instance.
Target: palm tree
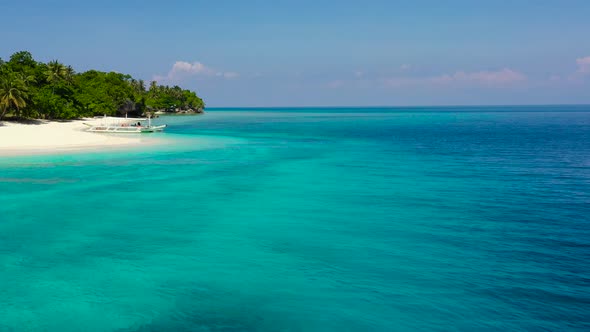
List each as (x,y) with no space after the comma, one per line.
(138,86)
(56,72)
(69,74)
(13,93)
(176,92)
(153,86)
(26,79)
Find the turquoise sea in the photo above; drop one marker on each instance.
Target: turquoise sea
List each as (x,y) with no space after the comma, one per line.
(378,219)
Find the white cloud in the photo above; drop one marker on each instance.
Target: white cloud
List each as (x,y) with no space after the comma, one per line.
(583,65)
(182,70)
(230,74)
(504,76)
(497,78)
(336,84)
(191,68)
(577,77)
(396,82)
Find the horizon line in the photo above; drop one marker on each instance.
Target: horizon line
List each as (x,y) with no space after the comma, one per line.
(404,106)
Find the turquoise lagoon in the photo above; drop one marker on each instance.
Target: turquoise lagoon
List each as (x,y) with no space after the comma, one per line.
(402,219)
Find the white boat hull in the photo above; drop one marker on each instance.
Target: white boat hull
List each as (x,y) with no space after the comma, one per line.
(125,129)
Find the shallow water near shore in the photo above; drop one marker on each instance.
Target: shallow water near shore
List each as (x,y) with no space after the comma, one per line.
(308,220)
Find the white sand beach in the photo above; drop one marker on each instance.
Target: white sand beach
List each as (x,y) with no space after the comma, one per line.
(46,137)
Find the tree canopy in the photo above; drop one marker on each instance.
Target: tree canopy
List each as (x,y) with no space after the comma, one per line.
(53,90)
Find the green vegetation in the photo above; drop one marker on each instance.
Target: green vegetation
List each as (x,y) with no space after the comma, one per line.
(31,89)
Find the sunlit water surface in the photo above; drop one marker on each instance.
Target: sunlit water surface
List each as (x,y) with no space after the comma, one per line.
(308,220)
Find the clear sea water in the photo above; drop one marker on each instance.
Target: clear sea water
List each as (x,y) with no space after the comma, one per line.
(407,219)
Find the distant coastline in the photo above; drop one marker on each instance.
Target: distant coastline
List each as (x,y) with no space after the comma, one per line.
(43,106)
(53,91)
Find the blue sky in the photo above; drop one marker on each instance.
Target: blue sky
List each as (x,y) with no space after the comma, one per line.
(322,53)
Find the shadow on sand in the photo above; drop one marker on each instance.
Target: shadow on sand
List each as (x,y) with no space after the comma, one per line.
(31,121)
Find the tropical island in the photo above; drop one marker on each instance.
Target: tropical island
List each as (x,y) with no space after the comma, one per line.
(44,106)
(37,90)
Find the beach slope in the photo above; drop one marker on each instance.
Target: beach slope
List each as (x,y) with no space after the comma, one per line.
(45,137)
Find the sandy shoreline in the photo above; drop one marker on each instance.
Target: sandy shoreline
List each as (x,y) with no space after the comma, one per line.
(44,137)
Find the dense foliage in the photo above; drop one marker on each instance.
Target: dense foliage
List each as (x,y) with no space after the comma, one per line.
(31,89)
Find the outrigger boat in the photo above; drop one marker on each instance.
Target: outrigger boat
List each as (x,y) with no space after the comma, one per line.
(125,126)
